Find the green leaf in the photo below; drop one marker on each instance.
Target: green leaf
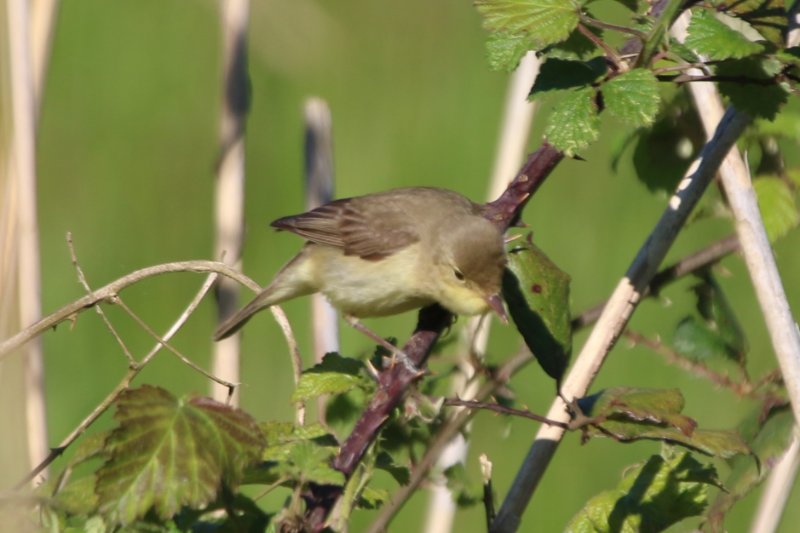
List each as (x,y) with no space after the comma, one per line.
(562,74)
(768,436)
(576,47)
(574,122)
(714,39)
(786,124)
(311,463)
(752,88)
(778,208)
(630,414)
(505,50)
(677,131)
(537,294)
(167,453)
(633,97)
(78,498)
(719,334)
(334,375)
(544,21)
(651,497)
(768,17)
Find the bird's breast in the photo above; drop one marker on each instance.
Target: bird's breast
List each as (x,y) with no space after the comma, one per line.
(365,288)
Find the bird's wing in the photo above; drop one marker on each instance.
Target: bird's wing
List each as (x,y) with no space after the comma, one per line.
(357,225)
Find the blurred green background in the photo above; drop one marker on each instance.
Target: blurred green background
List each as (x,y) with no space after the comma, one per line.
(126,161)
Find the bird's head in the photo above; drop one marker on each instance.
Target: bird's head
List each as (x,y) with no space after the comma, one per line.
(469,267)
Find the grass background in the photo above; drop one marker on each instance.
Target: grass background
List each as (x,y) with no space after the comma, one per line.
(126,159)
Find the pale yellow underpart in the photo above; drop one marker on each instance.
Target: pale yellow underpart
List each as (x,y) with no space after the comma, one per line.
(365,288)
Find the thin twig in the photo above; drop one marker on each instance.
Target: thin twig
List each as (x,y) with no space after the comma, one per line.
(110,290)
(695,262)
(611,53)
(777,490)
(613,27)
(694,367)
(99,309)
(229,386)
(497,408)
(124,383)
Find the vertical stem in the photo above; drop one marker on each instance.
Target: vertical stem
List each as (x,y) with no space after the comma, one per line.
(319,190)
(229,195)
(28,267)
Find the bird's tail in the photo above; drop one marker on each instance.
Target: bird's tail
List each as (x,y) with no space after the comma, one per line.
(290,282)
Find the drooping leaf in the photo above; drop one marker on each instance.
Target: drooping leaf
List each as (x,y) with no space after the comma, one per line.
(751,86)
(574,122)
(768,17)
(630,414)
(677,131)
(334,375)
(778,208)
(710,37)
(537,293)
(576,47)
(563,74)
(544,21)
(633,97)
(768,437)
(167,453)
(717,333)
(651,497)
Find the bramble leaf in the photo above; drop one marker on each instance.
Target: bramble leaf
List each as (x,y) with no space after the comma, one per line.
(168,453)
(334,375)
(537,294)
(574,122)
(544,21)
(651,497)
(633,97)
(630,414)
(709,36)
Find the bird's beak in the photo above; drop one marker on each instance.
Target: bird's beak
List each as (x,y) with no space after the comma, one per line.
(496,303)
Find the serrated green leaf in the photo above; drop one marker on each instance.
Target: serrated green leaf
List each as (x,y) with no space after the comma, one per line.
(709,36)
(752,88)
(537,294)
(385,462)
(334,375)
(311,463)
(563,74)
(574,122)
(778,208)
(633,97)
(768,17)
(505,50)
(544,21)
(372,498)
(167,453)
(650,497)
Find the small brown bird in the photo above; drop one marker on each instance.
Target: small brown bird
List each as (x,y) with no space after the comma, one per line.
(390,252)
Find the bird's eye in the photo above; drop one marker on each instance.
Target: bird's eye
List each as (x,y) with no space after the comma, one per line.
(458,274)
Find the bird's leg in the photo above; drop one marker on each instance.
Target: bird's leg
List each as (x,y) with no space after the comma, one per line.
(397,354)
